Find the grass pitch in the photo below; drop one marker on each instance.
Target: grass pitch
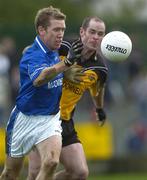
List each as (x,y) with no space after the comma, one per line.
(126,176)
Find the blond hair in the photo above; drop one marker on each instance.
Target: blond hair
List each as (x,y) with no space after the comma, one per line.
(44,16)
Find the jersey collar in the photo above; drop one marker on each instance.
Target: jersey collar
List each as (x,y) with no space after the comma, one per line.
(42,45)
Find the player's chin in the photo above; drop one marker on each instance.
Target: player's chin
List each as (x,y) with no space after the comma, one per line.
(57,45)
(94,48)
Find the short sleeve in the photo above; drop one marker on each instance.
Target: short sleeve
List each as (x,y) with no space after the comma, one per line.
(35,66)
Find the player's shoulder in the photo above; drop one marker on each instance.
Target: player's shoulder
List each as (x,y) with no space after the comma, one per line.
(32,53)
(102,68)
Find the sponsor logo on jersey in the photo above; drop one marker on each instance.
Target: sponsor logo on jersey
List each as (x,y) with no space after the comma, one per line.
(71,87)
(55,83)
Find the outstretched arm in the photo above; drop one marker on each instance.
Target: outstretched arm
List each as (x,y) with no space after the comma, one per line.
(99,104)
(50,72)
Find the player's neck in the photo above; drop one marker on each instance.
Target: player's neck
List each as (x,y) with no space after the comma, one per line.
(88,53)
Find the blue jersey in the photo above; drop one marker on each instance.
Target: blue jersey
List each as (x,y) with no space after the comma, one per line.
(43,100)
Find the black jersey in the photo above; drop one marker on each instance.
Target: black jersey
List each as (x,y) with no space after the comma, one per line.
(95,71)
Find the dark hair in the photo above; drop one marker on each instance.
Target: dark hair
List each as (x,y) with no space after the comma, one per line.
(44,15)
(87,20)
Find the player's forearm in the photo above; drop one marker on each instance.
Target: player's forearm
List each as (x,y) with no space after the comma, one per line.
(49,73)
(99,99)
(60,67)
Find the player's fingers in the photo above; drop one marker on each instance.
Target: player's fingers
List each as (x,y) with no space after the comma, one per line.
(77,80)
(79,77)
(78,49)
(78,69)
(78,41)
(76,46)
(79,74)
(78,56)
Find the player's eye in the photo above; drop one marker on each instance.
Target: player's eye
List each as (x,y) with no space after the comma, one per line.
(101,33)
(92,31)
(59,29)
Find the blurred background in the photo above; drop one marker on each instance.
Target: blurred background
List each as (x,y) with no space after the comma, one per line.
(121,145)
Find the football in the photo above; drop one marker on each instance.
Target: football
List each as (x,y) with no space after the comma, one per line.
(116,46)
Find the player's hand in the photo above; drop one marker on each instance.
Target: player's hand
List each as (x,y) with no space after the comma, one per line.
(74,53)
(74,74)
(101,116)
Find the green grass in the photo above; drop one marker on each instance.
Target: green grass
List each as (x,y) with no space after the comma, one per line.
(107,176)
(126,176)
(119,177)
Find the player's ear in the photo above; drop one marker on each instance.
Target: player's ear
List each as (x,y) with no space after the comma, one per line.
(41,30)
(81,32)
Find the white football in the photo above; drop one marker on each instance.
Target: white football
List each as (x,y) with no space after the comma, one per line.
(116,46)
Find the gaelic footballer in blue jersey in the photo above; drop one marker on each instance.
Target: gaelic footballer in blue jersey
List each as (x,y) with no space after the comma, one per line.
(34,122)
(90,74)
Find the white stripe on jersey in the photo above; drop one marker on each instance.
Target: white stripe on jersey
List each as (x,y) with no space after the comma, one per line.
(40,45)
(67,44)
(102,68)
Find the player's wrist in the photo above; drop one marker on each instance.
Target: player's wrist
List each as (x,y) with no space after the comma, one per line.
(98,109)
(101,114)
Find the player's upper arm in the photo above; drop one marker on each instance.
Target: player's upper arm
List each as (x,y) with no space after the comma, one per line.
(36,65)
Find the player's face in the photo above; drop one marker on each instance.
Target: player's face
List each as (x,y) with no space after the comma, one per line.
(93,35)
(53,35)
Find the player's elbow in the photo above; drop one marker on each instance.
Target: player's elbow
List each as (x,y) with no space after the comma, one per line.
(38,82)
(45,76)
(41,79)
